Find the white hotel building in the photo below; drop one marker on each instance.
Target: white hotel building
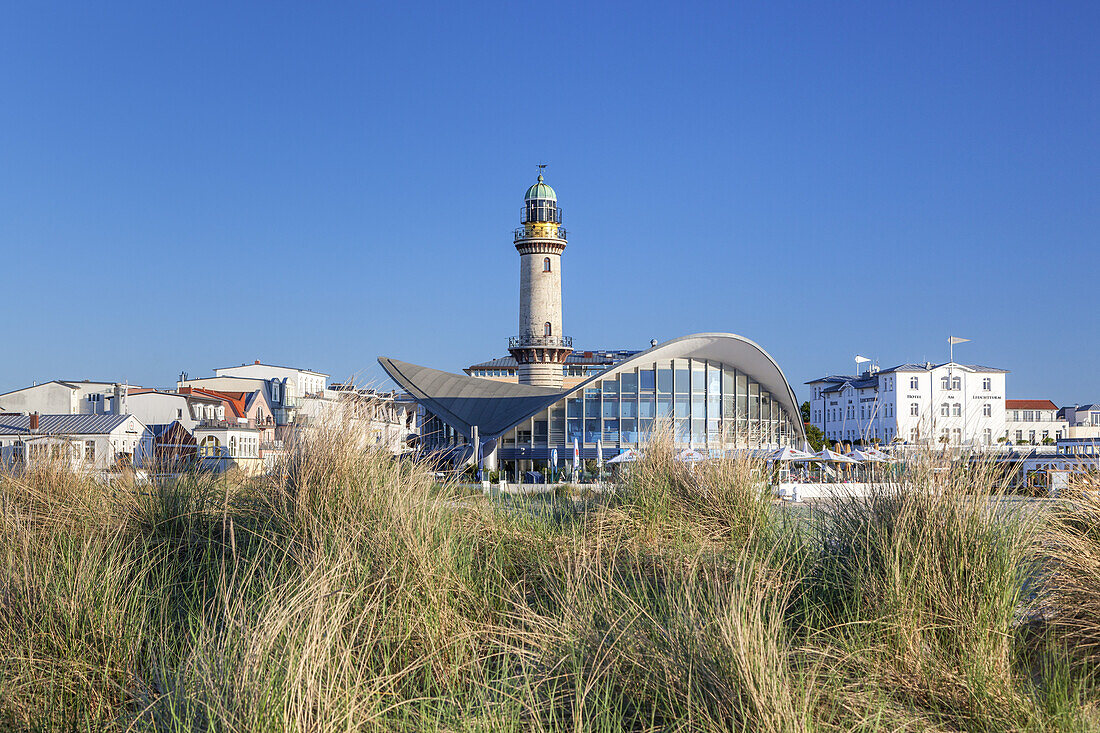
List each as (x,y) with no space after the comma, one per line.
(955,404)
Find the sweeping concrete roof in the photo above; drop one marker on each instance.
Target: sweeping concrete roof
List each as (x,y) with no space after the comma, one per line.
(497,407)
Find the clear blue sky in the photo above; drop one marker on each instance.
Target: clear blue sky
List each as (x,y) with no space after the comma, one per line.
(318,184)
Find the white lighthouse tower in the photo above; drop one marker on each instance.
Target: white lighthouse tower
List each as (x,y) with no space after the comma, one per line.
(540,348)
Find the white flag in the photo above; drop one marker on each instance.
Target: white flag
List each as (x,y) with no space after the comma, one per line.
(861,359)
(952,340)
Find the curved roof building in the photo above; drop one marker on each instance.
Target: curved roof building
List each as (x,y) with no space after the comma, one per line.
(714,391)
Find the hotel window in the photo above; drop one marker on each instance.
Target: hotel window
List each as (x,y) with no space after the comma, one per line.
(956,383)
(987,410)
(546,264)
(956,410)
(914,409)
(89,450)
(945,382)
(987,384)
(1031,436)
(1019,435)
(987,436)
(914,383)
(945,409)
(957,435)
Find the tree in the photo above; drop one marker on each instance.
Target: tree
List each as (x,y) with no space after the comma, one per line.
(816,437)
(813,433)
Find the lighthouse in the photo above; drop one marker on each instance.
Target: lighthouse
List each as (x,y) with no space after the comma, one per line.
(540,348)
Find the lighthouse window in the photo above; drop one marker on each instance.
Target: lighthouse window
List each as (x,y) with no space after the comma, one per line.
(546,331)
(546,264)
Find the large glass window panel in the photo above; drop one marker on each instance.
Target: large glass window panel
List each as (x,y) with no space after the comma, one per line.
(645,429)
(628,382)
(698,432)
(629,407)
(591,407)
(591,431)
(646,407)
(541,432)
(664,377)
(610,407)
(714,379)
(683,431)
(574,404)
(742,397)
(611,431)
(698,377)
(714,407)
(628,431)
(754,401)
(683,377)
(698,406)
(683,406)
(576,430)
(728,376)
(610,387)
(714,432)
(647,380)
(664,405)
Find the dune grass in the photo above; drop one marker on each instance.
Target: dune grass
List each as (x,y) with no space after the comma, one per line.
(349,592)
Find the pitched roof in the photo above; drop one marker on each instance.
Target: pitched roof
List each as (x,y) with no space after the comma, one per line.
(61,424)
(1030,405)
(236,400)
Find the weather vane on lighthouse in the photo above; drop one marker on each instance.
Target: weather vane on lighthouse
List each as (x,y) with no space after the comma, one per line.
(542,167)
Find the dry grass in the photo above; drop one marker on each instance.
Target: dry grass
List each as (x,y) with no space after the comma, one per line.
(348,592)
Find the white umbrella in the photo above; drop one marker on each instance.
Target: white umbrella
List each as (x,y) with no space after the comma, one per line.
(866,456)
(827,456)
(884,457)
(627,456)
(789,454)
(690,456)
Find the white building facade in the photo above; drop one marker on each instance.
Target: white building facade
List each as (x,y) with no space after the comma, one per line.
(953,404)
(62,397)
(88,442)
(1033,422)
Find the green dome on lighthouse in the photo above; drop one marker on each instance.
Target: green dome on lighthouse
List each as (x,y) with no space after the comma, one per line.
(540,191)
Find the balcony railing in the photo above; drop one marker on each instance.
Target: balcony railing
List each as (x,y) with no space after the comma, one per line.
(521,233)
(551,342)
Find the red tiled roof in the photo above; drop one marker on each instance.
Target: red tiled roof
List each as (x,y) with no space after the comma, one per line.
(235,403)
(1030,405)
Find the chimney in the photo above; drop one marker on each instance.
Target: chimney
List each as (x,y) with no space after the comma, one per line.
(118,407)
(256,362)
(34,422)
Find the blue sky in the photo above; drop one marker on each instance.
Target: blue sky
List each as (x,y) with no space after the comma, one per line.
(206,184)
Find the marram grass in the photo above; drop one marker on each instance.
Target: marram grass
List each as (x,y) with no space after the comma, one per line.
(348,592)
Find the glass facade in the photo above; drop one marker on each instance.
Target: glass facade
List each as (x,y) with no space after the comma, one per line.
(705,405)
